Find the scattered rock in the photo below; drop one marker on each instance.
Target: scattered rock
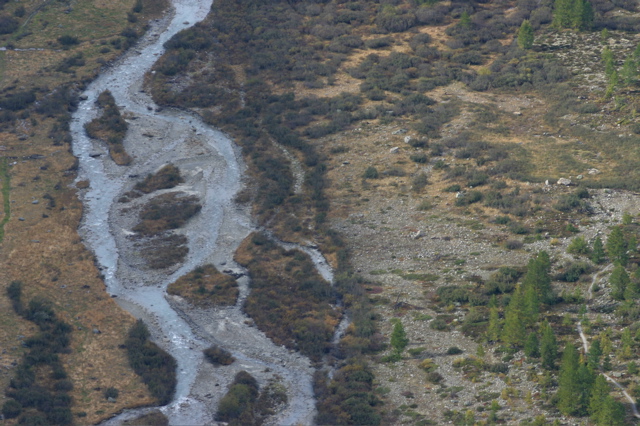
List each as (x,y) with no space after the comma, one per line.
(564,181)
(394,150)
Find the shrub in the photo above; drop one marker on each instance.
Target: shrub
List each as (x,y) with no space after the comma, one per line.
(513,244)
(454,350)
(420,181)
(578,245)
(11,409)
(420,158)
(371,173)
(68,40)
(8,24)
(218,356)
(111,393)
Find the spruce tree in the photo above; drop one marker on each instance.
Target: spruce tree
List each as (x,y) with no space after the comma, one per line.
(609,64)
(562,13)
(399,340)
(548,347)
(525,35)
(598,255)
(612,413)
(594,355)
(514,332)
(569,382)
(619,280)
(599,392)
(632,291)
(532,346)
(538,277)
(629,71)
(586,378)
(617,247)
(587,16)
(494,329)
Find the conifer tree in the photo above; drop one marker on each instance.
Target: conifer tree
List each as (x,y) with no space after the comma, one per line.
(530,306)
(586,378)
(494,329)
(569,382)
(587,16)
(629,71)
(562,13)
(538,277)
(632,291)
(548,347)
(599,392)
(594,355)
(617,247)
(612,413)
(532,346)
(399,340)
(619,280)
(598,255)
(525,35)
(514,332)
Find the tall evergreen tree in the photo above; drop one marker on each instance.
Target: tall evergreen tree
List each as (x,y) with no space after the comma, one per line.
(617,247)
(569,382)
(599,392)
(548,347)
(538,277)
(619,280)
(532,346)
(598,255)
(629,71)
(525,35)
(495,328)
(632,291)
(399,340)
(562,13)
(612,413)
(594,355)
(586,377)
(514,332)
(587,16)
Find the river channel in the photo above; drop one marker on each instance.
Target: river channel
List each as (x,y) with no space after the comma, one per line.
(213,170)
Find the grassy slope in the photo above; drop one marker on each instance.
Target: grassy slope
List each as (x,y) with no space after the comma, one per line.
(43,249)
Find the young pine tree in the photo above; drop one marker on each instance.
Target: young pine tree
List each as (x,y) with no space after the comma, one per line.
(597,254)
(532,346)
(619,280)
(514,332)
(548,347)
(599,392)
(525,35)
(617,247)
(399,340)
(569,382)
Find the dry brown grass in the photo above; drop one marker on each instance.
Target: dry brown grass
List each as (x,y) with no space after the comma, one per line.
(206,286)
(44,250)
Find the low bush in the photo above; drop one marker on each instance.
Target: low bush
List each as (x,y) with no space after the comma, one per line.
(155,366)
(218,356)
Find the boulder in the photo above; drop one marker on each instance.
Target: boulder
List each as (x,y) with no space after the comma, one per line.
(564,181)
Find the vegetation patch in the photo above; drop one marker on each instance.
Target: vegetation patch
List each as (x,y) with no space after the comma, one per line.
(110,127)
(206,286)
(156,367)
(166,212)
(38,391)
(289,300)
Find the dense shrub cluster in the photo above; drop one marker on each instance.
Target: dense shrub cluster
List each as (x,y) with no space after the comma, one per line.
(39,390)
(349,398)
(289,301)
(167,211)
(110,127)
(206,286)
(245,405)
(156,367)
